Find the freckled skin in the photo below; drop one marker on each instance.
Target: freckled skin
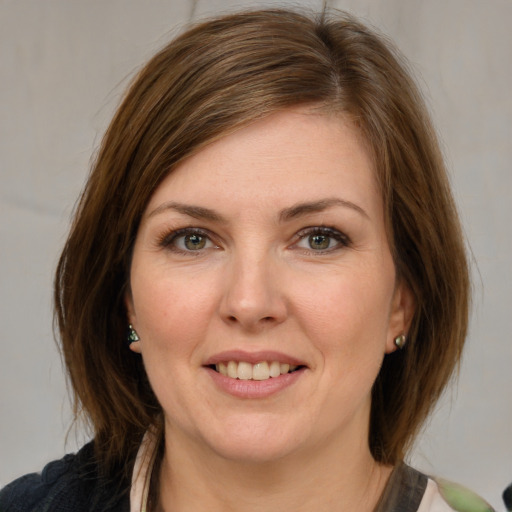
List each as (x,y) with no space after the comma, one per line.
(257,284)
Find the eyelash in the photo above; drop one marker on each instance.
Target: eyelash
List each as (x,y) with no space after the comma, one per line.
(168,240)
(341,239)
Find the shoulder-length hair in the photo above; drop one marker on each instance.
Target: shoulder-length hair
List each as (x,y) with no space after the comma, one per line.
(216,77)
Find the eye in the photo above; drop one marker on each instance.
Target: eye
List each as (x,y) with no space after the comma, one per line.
(322,239)
(319,242)
(193,242)
(187,240)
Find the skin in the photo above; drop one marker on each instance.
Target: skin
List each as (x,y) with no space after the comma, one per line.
(259,281)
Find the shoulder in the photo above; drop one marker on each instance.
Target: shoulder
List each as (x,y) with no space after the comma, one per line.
(445,496)
(409,490)
(67,484)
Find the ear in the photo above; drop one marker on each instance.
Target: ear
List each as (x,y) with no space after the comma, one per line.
(402,311)
(130,313)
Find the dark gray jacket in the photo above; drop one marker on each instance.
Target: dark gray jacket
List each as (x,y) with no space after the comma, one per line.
(70,484)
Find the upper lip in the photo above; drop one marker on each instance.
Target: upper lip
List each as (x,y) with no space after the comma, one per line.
(253,357)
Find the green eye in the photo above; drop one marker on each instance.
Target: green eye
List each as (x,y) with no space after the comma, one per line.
(319,242)
(188,240)
(194,242)
(322,239)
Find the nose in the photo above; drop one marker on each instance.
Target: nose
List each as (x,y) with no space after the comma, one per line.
(253,297)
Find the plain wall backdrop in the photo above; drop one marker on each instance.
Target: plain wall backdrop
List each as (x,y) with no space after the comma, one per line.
(63,67)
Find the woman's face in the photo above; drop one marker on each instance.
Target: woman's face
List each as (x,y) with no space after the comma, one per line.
(264,291)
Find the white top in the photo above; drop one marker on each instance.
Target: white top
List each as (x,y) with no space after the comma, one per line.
(141,478)
(432,500)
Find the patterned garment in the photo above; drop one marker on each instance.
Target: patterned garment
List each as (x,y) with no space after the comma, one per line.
(409,490)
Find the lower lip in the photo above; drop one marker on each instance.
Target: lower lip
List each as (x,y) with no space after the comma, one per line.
(255,388)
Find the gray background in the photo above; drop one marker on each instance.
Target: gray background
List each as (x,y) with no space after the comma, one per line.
(63,66)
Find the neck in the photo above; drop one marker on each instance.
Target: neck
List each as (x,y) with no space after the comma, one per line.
(329,478)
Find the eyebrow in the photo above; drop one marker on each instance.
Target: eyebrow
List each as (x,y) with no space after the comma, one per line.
(293,212)
(197,212)
(301,209)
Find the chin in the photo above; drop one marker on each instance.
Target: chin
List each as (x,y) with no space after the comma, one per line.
(253,452)
(255,443)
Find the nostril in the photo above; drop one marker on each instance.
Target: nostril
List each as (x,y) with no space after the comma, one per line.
(265,319)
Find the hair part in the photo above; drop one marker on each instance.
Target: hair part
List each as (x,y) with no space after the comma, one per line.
(215,78)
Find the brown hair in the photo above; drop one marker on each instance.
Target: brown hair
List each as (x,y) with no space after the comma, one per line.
(211,80)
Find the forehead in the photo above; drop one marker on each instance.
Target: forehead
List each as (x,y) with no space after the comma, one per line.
(294,155)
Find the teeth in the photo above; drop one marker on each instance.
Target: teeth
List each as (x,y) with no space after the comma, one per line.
(275,369)
(259,371)
(244,371)
(223,369)
(232,370)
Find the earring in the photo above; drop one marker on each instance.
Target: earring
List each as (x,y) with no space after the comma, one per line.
(400,341)
(132,335)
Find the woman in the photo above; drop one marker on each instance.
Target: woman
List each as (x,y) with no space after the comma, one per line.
(265,288)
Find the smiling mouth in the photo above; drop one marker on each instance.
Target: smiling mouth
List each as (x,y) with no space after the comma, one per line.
(260,371)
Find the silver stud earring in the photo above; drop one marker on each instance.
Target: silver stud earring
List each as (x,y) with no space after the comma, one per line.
(400,341)
(132,335)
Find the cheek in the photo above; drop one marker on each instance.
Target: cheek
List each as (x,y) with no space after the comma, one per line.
(346,304)
(171,311)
